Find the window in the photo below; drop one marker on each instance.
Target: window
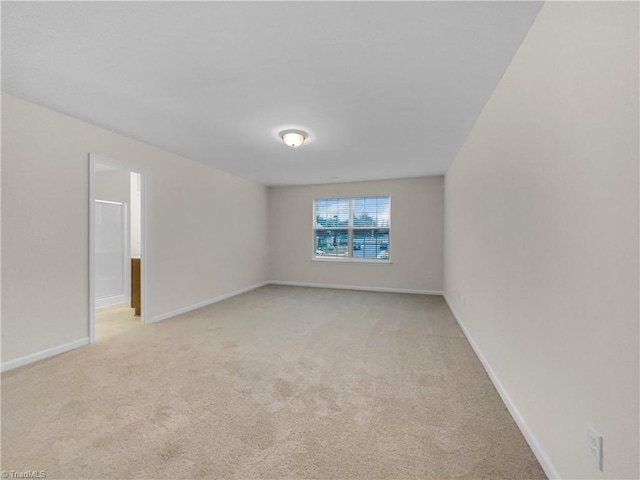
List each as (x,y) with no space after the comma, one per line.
(352,228)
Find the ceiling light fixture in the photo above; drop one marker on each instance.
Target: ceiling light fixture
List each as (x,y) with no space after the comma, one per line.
(293,138)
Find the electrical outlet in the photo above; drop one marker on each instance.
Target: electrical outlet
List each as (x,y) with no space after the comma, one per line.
(594,447)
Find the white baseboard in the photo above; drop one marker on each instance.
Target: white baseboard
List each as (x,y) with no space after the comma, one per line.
(195,306)
(109,301)
(540,454)
(50,352)
(355,287)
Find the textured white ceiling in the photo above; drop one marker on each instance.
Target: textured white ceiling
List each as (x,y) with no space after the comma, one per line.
(385,89)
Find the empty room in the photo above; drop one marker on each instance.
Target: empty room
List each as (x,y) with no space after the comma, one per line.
(320,240)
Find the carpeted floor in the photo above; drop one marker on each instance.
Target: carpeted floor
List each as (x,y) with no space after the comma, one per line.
(280,382)
(114,320)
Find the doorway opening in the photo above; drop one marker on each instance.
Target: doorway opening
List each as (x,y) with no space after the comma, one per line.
(118,259)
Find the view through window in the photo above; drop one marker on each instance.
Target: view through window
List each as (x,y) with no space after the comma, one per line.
(352,227)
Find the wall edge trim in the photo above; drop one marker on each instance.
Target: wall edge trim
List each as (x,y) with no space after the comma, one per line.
(41,355)
(542,457)
(195,306)
(111,301)
(356,287)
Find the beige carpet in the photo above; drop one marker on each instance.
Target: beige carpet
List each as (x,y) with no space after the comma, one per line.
(281,382)
(114,320)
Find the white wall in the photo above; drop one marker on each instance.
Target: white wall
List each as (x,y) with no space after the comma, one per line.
(206,227)
(416,236)
(541,234)
(113,186)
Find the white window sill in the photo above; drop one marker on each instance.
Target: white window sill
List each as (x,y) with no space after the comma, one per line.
(351,260)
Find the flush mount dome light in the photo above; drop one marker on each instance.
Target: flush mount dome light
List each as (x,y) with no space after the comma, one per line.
(293,138)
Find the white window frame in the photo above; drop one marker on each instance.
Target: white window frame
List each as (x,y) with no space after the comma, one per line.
(350,229)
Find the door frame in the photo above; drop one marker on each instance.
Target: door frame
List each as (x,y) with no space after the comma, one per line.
(144,237)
